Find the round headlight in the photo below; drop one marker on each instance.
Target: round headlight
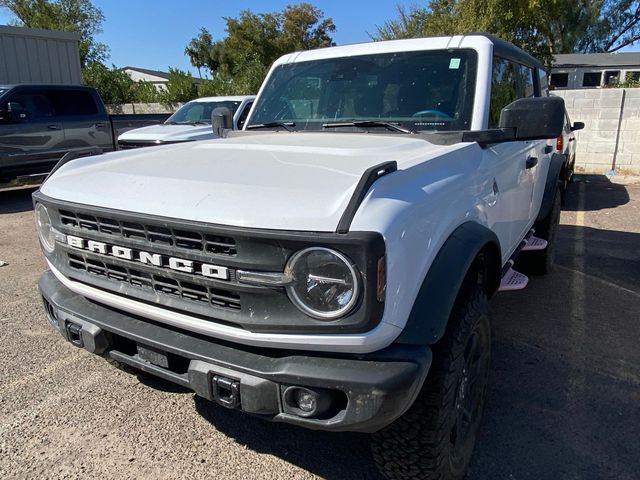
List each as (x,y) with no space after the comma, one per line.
(325,284)
(45,232)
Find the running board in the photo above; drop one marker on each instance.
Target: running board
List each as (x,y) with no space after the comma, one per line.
(534,243)
(513,280)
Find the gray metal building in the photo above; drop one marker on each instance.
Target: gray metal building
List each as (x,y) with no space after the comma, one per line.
(593,70)
(29,55)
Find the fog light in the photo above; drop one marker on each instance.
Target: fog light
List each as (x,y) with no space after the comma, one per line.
(305,400)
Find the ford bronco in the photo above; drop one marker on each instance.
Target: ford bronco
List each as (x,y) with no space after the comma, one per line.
(331,265)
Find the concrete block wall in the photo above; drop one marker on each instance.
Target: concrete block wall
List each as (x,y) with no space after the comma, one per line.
(139,108)
(612,128)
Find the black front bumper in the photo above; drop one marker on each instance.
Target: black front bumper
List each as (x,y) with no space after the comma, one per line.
(354,393)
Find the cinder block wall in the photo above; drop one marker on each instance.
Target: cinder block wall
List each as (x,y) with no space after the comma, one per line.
(611,117)
(138,108)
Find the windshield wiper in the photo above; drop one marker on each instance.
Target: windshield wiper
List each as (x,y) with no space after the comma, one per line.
(369,123)
(284,125)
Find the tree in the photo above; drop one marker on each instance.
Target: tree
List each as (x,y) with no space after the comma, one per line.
(113,84)
(79,16)
(239,61)
(180,87)
(145,92)
(542,27)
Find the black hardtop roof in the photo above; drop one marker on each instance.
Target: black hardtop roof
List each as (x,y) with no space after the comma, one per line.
(508,50)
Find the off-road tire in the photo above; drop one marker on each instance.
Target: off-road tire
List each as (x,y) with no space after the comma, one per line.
(541,262)
(420,444)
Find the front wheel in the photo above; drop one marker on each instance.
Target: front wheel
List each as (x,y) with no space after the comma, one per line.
(435,438)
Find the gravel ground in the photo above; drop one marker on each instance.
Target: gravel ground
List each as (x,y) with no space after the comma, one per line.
(564,400)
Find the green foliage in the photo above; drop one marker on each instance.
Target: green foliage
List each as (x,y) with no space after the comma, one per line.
(239,61)
(180,87)
(114,85)
(145,92)
(542,27)
(79,16)
(628,82)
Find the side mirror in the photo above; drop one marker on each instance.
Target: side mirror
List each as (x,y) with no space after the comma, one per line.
(535,118)
(577,126)
(221,119)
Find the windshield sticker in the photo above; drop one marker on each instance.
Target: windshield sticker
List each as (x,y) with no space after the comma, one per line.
(454,64)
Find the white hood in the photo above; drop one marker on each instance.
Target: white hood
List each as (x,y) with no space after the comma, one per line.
(288,181)
(169,133)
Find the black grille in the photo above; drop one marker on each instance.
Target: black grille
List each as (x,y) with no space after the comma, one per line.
(158,283)
(158,235)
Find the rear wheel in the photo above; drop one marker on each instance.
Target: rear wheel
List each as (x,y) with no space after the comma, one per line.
(435,438)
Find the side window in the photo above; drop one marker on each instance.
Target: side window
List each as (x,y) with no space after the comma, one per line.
(525,77)
(70,103)
(35,104)
(243,116)
(504,89)
(510,82)
(592,79)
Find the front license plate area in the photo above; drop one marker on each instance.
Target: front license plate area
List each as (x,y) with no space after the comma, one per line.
(152,355)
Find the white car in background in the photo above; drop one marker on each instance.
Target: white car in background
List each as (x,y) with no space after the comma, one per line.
(191,122)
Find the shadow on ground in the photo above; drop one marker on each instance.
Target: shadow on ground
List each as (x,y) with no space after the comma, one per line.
(16,201)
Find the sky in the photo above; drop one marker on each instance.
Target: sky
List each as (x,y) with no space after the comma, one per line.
(154,33)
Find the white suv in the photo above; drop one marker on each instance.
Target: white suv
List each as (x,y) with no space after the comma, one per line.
(331,265)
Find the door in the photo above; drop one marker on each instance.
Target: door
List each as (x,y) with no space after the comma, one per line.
(85,125)
(510,169)
(32,143)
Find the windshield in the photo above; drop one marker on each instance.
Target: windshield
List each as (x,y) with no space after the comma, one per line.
(200,112)
(427,90)
(3,91)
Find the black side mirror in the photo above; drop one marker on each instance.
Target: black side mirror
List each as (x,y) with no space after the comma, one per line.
(577,126)
(221,119)
(535,118)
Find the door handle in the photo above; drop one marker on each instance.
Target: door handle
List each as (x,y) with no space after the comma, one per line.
(531,162)
(53,127)
(548,149)
(99,125)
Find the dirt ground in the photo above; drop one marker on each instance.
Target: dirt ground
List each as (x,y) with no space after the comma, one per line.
(564,399)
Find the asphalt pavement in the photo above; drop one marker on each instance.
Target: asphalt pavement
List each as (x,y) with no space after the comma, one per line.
(563,403)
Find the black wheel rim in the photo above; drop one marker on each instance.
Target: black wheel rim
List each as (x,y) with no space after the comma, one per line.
(470,395)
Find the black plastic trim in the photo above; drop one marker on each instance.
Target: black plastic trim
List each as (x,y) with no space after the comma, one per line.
(73,155)
(552,181)
(379,386)
(369,177)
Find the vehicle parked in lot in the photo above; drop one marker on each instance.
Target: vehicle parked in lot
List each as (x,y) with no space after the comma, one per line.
(191,122)
(331,265)
(566,144)
(41,123)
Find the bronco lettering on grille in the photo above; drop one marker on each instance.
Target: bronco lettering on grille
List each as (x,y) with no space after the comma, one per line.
(155,259)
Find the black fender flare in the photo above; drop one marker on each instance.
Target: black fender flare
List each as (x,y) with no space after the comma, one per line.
(431,310)
(553,177)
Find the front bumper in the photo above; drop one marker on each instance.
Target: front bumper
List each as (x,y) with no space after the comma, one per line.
(353,393)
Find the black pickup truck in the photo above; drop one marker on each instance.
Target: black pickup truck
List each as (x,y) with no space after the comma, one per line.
(40,123)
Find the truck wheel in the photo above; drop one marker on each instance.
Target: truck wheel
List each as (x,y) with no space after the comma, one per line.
(434,439)
(541,262)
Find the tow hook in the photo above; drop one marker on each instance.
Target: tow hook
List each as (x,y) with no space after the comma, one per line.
(226,391)
(74,334)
